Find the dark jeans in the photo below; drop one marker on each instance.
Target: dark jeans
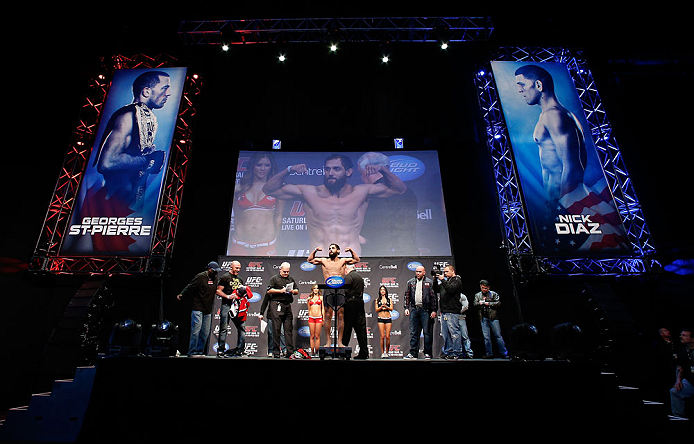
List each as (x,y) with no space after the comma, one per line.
(421,322)
(282,316)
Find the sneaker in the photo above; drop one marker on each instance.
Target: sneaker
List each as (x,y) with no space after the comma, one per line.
(409,357)
(427,357)
(384,356)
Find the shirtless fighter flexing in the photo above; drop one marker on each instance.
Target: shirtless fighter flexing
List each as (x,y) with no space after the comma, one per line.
(335,210)
(333,265)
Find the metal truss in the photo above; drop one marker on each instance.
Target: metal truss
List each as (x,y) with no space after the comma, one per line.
(322,30)
(46,257)
(517,239)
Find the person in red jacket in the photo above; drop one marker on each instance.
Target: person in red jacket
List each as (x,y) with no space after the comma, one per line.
(237,315)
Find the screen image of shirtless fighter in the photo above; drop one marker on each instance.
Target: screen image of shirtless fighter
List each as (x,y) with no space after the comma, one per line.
(333,265)
(335,209)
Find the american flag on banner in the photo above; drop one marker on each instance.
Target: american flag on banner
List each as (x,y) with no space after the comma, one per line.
(586,220)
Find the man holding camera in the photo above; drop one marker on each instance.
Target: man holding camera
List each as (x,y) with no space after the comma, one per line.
(449,286)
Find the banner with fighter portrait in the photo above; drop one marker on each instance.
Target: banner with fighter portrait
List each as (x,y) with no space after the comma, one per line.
(119,193)
(571,210)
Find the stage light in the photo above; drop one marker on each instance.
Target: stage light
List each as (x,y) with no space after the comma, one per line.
(567,342)
(526,342)
(333,48)
(282,58)
(125,339)
(162,340)
(385,59)
(444,45)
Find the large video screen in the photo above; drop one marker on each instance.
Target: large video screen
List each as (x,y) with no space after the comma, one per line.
(118,199)
(376,204)
(570,207)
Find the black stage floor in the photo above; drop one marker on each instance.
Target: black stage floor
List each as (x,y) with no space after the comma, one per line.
(137,399)
(155,398)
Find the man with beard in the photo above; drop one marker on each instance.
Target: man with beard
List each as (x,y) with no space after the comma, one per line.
(127,154)
(333,265)
(335,210)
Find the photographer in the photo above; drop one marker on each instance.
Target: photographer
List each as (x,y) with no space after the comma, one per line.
(449,286)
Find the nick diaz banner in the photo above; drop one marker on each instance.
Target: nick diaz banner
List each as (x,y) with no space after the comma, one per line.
(570,207)
(118,199)
(393,273)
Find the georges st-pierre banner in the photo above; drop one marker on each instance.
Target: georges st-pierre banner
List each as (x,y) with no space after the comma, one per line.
(288,203)
(119,195)
(571,210)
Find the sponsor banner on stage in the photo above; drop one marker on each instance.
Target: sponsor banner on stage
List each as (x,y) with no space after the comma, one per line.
(393,273)
(118,198)
(287,203)
(570,207)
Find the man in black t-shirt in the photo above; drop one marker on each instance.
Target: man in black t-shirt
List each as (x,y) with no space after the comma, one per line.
(278,299)
(201,291)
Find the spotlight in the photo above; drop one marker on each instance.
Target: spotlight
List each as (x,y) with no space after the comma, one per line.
(225,47)
(526,343)
(162,340)
(125,339)
(333,48)
(444,45)
(282,58)
(567,342)
(385,59)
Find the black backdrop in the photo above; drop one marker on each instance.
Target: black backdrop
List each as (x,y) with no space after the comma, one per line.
(424,96)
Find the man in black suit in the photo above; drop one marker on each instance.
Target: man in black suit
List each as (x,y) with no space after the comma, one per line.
(355,316)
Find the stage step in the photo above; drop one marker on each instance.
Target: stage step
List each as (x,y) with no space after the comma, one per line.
(653,417)
(54,416)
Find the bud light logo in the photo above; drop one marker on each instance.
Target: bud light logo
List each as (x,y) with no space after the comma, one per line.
(366,297)
(394,314)
(412,266)
(307,266)
(304,332)
(255,297)
(406,167)
(335,281)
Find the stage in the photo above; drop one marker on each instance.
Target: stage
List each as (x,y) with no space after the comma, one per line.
(137,398)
